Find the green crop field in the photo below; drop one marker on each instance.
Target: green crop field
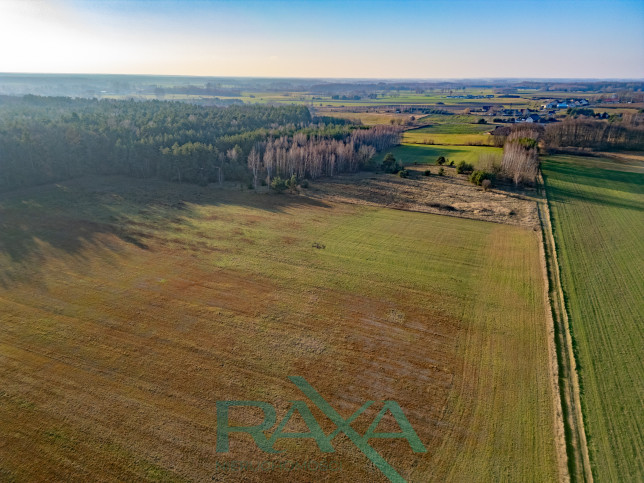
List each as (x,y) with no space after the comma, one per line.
(597,207)
(130,307)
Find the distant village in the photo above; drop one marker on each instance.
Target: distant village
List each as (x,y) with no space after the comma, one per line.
(546,112)
(470,96)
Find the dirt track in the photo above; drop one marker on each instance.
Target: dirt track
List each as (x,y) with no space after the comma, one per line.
(565,375)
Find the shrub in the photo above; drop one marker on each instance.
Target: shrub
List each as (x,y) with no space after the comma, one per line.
(481,121)
(403,173)
(451,163)
(427,172)
(291,183)
(304,183)
(463,168)
(580,111)
(441,171)
(477,177)
(441,160)
(528,143)
(390,165)
(278,184)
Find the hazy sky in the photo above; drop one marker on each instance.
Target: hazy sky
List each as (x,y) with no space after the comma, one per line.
(316,38)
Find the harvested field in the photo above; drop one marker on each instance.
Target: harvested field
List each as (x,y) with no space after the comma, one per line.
(122,331)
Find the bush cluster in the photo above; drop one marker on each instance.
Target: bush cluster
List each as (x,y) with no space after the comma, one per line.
(463,168)
(477,177)
(278,184)
(390,165)
(403,173)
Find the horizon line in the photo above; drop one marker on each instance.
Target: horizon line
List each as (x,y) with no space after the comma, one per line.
(431,79)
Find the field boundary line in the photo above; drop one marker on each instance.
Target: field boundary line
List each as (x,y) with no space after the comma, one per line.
(553,367)
(565,377)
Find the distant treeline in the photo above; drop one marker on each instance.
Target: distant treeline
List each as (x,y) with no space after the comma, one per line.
(210,89)
(599,135)
(522,142)
(602,135)
(45,139)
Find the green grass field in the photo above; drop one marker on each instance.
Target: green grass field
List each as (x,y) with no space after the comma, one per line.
(597,207)
(454,128)
(129,307)
(427,154)
(414,137)
(457,134)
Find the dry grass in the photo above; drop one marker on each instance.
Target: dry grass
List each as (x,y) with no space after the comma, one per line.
(450,194)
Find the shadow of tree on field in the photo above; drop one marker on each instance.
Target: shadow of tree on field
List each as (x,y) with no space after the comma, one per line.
(564,195)
(584,182)
(625,181)
(75,215)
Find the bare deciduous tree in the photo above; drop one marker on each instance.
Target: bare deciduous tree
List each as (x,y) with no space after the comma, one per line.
(254,163)
(520,157)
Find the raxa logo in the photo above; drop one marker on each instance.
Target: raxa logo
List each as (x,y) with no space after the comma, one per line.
(324,442)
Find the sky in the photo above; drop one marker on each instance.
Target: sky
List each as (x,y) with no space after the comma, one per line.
(326,38)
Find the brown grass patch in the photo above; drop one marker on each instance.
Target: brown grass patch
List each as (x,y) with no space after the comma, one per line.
(451,194)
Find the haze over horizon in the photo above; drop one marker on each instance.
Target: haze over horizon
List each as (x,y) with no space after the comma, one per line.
(326,39)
